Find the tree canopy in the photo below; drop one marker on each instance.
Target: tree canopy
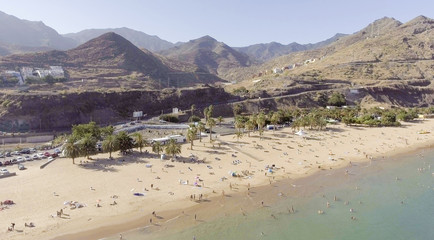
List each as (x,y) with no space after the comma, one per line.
(337,99)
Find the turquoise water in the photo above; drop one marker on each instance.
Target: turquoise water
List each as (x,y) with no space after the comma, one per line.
(390,198)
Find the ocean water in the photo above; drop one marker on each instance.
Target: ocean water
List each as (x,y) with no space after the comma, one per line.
(390,199)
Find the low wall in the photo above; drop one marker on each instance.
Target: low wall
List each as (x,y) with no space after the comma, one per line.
(8,175)
(45,164)
(26,139)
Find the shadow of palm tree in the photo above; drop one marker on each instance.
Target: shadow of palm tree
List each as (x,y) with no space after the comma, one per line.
(108,165)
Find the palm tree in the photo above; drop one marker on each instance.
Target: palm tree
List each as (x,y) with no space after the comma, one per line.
(173,148)
(261,122)
(253,118)
(72,148)
(140,141)
(249,127)
(206,113)
(192,109)
(211,123)
(157,147)
(201,128)
(239,122)
(220,120)
(236,109)
(110,144)
(88,144)
(238,134)
(210,111)
(191,135)
(275,118)
(125,142)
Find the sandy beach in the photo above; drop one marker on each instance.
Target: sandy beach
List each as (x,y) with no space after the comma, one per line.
(105,188)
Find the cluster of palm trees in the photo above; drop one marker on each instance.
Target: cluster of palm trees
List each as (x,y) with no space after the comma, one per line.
(84,138)
(313,120)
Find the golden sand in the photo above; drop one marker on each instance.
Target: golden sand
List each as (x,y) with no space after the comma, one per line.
(40,193)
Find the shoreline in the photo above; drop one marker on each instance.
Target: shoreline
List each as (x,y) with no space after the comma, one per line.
(295,158)
(264,187)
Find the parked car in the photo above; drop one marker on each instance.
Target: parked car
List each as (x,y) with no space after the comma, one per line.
(3,171)
(7,162)
(57,151)
(35,157)
(1,164)
(50,159)
(28,158)
(25,151)
(16,153)
(20,159)
(47,154)
(21,167)
(32,150)
(13,161)
(54,155)
(8,154)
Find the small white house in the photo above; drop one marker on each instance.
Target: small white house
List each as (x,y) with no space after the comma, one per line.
(354,91)
(277,70)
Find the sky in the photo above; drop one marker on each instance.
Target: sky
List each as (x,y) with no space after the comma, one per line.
(234,22)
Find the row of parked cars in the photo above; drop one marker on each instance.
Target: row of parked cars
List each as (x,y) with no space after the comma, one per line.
(17,153)
(18,158)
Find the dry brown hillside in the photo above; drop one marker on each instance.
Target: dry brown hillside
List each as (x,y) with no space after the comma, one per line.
(384,50)
(110,61)
(385,54)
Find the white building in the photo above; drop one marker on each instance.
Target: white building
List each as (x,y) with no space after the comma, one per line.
(54,71)
(277,70)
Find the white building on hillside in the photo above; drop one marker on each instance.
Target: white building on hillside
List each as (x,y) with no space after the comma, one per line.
(277,70)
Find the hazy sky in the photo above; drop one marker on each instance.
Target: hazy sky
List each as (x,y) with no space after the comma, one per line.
(235,22)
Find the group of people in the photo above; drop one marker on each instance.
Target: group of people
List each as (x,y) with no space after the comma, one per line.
(12,227)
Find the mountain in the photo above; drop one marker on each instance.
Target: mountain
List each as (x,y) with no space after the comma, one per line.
(110,59)
(8,49)
(140,39)
(20,35)
(208,54)
(266,51)
(389,61)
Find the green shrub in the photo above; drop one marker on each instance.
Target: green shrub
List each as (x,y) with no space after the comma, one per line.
(194,118)
(169,118)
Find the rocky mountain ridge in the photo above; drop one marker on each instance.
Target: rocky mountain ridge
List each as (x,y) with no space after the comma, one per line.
(140,39)
(109,58)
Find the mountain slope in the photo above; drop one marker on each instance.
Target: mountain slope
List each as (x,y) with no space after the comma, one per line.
(18,32)
(383,59)
(266,51)
(111,60)
(208,54)
(140,39)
